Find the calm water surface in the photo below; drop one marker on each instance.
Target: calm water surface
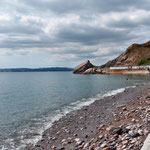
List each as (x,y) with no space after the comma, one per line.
(31,101)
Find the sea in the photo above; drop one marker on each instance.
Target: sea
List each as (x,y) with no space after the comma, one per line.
(31,101)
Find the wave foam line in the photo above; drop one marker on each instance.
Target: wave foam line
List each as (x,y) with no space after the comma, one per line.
(60,113)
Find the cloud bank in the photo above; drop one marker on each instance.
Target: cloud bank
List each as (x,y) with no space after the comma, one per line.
(42,33)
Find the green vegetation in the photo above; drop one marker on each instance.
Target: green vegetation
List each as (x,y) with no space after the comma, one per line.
(144,61)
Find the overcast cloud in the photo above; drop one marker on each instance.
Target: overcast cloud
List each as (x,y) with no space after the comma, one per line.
(45,33)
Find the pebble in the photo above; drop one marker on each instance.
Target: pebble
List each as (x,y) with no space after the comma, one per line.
(86,145)
(103,145)
(77,139)
(64,143)
(127,135)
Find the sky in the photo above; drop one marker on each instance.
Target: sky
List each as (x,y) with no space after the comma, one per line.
(49,33)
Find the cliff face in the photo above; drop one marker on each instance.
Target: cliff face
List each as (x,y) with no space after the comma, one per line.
(136,55)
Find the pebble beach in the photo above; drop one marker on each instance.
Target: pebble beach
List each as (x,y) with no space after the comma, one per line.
(119,122)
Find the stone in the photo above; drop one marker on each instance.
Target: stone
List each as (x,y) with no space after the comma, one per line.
(91,147)
(101,136)
(135,134)
(86,145)
(103,145)
(77,139)
(140,132)
(124,108)
(97,148)
(148,97)
(64,140)
(83,67)
(118,130)
(146,131)
(125,142)
(64,143)
(107,148)
(123,105)
(75,134)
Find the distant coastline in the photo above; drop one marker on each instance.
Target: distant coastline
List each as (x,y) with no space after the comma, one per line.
(36,69)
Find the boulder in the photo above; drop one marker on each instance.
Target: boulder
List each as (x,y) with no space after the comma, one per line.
(83,67)
(90,71)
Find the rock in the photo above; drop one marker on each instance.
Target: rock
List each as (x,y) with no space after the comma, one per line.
(148,97)
(97,148)
(107,148)
(87,68)
(90,71)
(134,135)
(64,140)
(79,142)
(101,136)
(118,130)
(140,132)
(80,146)
(64,143)
(53,147)
(75,134)
(58,133)
(123,105)
(103,145)
(54,138)
(124,108)
(83,67)
(125,142)
(77,139)
(91,147)
(124,146)
(146,131)
(86,145)
(101,126)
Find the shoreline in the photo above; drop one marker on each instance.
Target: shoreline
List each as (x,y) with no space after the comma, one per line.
(78,127)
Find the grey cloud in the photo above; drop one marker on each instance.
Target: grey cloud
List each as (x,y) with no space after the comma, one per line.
(129,24)
(82,35)
(19,35)
(88,6)
(20,29)
(90,35)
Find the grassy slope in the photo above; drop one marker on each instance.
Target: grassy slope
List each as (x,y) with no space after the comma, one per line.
(136,54)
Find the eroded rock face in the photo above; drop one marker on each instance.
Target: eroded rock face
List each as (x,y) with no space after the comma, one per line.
(94,70)
(87,68)
(83,67)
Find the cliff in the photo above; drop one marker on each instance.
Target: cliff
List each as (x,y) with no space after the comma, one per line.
(135,55)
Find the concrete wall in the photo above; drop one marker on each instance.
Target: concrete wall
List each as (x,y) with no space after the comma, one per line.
(126,71)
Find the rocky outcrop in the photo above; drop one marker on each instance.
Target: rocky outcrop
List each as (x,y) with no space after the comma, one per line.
(83,67)
(135,55)
(87,68)
(95,70)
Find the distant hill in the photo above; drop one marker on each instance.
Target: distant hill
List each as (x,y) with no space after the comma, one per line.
(136,55)
(36,69)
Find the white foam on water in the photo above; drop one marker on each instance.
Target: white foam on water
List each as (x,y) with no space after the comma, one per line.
(57,115)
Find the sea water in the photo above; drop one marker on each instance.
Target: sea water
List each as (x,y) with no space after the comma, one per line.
(31,101)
